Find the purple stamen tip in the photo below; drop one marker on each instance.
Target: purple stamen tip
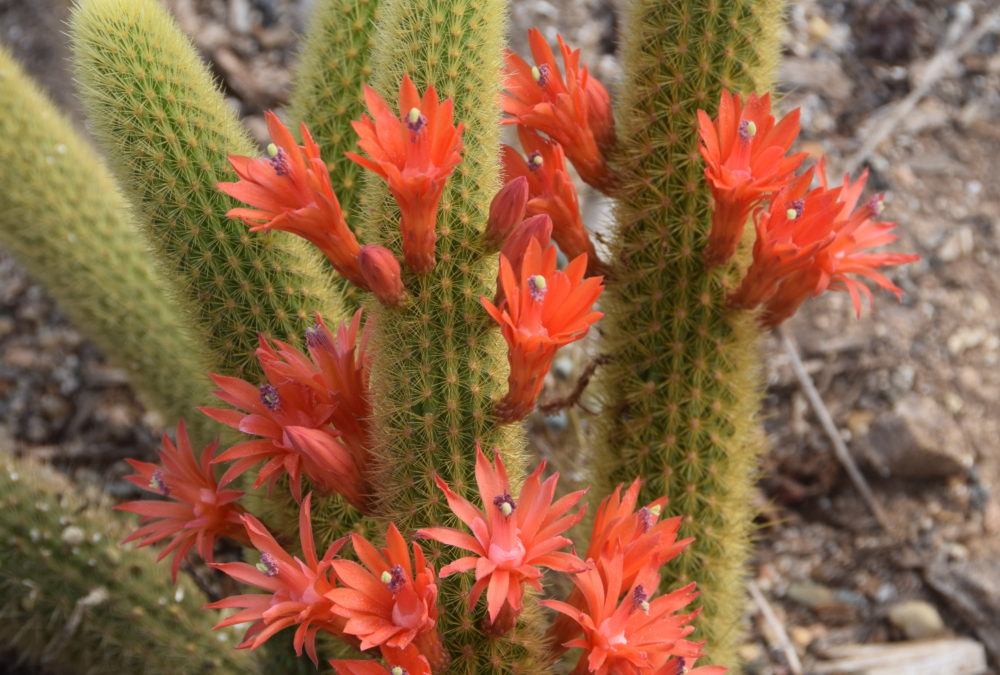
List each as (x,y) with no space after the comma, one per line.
(269,565)
(505,503)
(748,129)
(543,74)
(416,120)
(537,287)
(269,397)
(875,205)
(315,336)
(640,599)
(535,161)
(799,206)
(280,163)
(157,483)
(397,579)
(647,518)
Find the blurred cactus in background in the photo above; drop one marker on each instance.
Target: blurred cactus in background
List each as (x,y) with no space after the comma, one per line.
(391,516)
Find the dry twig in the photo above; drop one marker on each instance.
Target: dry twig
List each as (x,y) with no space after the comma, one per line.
(791,656)
(568,401)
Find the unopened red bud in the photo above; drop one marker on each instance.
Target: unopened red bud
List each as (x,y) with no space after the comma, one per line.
(506,212)
(382,273)
(537,227)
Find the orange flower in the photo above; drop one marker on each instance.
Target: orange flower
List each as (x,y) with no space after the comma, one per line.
(389,601)
(512,538)
(294,412)
(196,513)
(291,191)
(575,112)
(551,192)
(415,152)
(543,310)
(507,210)
(625,631)
(383,274)
(744,152)
(296,588)
(407,661)
(643,540)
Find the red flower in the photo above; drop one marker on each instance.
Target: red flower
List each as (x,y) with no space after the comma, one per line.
(744,152)
(389,601)
(407,661)
(383,274)
(575,112)
(291,191)
(512,538)
(507,210)
(543,310)
(414,152)
(295,410)
(296,588)
(625,632)
(638,535)
(197,512)
(552,192)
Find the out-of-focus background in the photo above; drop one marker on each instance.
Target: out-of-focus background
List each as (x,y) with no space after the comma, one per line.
(909,89)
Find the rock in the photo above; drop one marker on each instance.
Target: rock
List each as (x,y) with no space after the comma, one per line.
(972,591)
(917,619)
(809,594)
(824,76)
(958,243)
(919,439)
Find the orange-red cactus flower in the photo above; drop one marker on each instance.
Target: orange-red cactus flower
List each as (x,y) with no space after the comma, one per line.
(389,600)
(625,630)
(506,211)
(744,152)
(383,274)
(575,111)
(415,152)
(543,309)
(536,228)
(407,661)
(512,538)
(551,192)
(296,588)
(290,190)
(195,512)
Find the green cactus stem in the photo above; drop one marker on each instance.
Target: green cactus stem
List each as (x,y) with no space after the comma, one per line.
(683,390)
(65,220)
(438,362)
(74,601)
(327,95)
(167,130)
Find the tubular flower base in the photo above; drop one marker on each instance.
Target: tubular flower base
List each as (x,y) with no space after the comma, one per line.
(512,539)
(415,153)
(196,512)
(575,112)
(551,192)
(383,274)
(625,632)
(391,600)
(543,310)
(291,191)
(297,589)
(744,152)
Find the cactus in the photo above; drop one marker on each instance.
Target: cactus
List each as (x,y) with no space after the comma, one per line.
(167,131)
(72,600)
(335,62)
(60,203)
(438,363)
(683,390)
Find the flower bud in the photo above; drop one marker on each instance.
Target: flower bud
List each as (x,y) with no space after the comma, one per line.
(537,227)
(506,211)
(381,272)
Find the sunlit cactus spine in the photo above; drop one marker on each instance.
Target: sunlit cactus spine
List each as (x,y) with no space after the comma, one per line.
(682,392)
(74,601)
(60,205)
(167,130)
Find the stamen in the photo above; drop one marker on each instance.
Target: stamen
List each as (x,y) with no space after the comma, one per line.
(269,397)
(795,209)
(505,503)
(640,599)
(748,129)
(394,578)
(415,120)
(398,670)
(540,74)
(157,483)
(279,160)
(875,205)
(647,518)
(537,287)
(316,337)
(268,565)
(535,161)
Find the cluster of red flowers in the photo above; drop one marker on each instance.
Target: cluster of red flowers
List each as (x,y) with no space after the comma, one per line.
(807,240)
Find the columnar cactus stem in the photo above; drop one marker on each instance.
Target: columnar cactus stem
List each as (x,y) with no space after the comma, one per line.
(72,600)
(327,95)
(438,361)
(59,203)
(167,130)
(683,388)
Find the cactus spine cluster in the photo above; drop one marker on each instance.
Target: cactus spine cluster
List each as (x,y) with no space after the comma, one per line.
(683,390)
(167,130)
(439,361)
(111,609)
(59,203)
